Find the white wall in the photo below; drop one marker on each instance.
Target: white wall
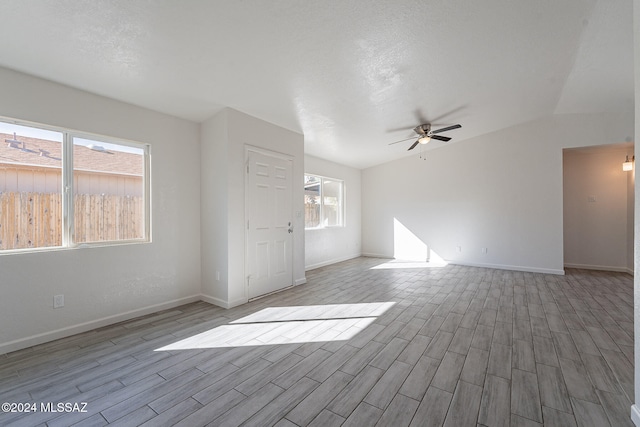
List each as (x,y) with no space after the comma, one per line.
(635,409)
(631,203)
(501,191)
(330,245)
(246,130)
(105,284)
(596,229)
(214,209)
(224,140)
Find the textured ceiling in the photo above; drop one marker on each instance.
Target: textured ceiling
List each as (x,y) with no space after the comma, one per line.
(352,76)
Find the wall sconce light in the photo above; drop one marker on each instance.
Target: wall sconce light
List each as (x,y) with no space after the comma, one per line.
(628,164)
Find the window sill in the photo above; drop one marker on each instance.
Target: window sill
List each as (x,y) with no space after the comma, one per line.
(326,227)
(71,248)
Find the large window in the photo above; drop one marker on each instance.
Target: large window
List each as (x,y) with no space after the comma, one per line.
(59,188)
(323,202)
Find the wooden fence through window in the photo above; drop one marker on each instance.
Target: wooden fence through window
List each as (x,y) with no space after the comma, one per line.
(34,220)
(311,215)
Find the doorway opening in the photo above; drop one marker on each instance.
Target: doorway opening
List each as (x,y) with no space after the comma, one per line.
(598,207)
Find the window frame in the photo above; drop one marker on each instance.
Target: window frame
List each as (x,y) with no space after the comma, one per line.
(341,210)
(67,187)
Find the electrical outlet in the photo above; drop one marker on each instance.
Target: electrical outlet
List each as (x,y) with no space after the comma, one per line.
(58,301)
(485,250)
(218,276)
(458,249)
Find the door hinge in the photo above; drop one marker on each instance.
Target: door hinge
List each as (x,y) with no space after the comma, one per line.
(247,224)
(247,168)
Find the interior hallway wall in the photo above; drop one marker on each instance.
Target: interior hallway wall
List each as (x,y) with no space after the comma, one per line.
(635,409)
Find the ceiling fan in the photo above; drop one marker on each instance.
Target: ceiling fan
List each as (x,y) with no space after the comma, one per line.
(425,134)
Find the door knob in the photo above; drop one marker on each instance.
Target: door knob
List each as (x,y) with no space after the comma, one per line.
(290,230)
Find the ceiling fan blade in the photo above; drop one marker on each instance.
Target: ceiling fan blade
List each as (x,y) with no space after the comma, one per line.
(402,140)
(419,115)
(446,129)
(399,129)
(448,113)
(414,145)
(441,138)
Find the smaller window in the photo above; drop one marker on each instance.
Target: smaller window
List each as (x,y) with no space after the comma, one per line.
(323,202)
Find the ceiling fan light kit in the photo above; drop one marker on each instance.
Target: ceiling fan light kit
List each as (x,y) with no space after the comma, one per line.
(425,134)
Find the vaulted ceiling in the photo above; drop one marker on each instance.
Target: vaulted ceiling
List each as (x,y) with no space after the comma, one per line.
(352,76)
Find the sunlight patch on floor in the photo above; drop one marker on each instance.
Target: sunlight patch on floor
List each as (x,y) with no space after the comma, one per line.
(317,312)
(288,325)
(435,261)
(409,251)
(406,245)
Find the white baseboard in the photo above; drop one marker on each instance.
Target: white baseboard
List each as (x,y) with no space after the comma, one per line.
(496,266)
(374,255)
(238,302)
(300,281)
(510,267)
(635,415)
(19,344)
(223,303)
(214,301)
(332,261)
(600,267)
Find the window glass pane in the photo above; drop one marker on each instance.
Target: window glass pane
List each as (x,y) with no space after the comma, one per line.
(30,187)
(332,199)
(108,184)
(311,201)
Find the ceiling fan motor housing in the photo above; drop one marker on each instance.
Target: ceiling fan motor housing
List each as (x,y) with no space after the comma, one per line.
(422,129)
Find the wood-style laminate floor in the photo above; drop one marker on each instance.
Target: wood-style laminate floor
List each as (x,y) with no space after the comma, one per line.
(356,346)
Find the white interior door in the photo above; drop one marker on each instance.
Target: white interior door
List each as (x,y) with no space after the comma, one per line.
(269,223)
